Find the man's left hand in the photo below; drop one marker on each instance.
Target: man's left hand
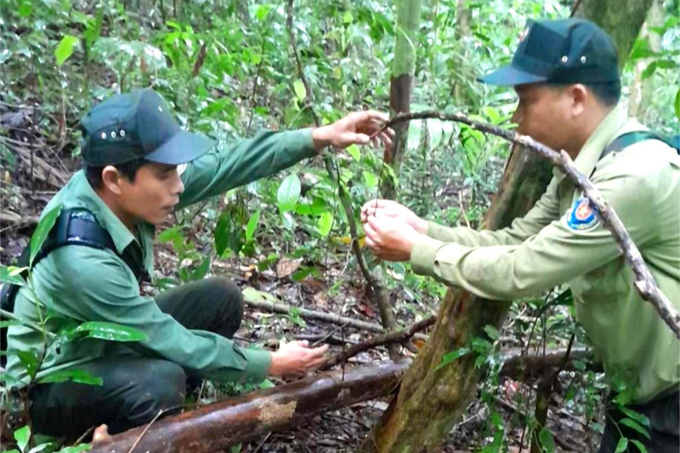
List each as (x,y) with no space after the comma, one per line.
(354,129)
(388,238)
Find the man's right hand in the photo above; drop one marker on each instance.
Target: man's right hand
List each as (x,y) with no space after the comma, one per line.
(389,208)
(295,358)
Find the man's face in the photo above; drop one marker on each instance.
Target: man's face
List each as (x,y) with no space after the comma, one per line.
(544,113)
(153,194)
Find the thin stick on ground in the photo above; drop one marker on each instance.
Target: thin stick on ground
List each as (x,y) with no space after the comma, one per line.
(644,280)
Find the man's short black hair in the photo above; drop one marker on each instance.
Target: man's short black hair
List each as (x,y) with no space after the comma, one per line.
(609,93)
(127,169)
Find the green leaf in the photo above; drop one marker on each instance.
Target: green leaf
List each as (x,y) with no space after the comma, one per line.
(266,384)
(262,12)
(325,223)
(110,332)
(22,436)
(547,441)
(347,17)
(649,70)
(65,48)
(42,230)
(202,270)
(79,376)
(355,152)
(491,331)
(25,9)
(222,233)
(638,417)
(29,360)
(622,445)
(252,225)
(41,447)
(11,275)
(677,104)
(289,193)
(76,449)
(300,91)
(639,445)
(452,357)
(257,296)
(636,426)
(370,178)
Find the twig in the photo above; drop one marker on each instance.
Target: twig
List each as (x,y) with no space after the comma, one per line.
(645,282)
(374,281)
(11,316)
(388,338)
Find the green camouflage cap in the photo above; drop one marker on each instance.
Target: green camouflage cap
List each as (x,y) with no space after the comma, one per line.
(139,124)
(560,51)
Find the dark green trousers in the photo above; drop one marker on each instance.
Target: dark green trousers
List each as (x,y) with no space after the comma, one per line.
(664,419)
(136,388)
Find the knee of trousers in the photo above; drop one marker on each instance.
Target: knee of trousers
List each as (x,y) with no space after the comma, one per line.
(224,291)
(163,386)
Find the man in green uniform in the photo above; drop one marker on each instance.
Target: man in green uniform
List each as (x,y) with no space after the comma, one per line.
(133,179)
(566,75)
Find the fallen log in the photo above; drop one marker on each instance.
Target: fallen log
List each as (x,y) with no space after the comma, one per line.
(236,420)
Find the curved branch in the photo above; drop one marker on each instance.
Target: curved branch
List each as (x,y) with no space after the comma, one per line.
(644,280)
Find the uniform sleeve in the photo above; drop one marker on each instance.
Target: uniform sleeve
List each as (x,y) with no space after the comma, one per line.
(105,293)
(225,167)
(557,254)
(544,211)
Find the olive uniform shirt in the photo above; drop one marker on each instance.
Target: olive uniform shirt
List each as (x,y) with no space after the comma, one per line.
(561,240)
(88,284)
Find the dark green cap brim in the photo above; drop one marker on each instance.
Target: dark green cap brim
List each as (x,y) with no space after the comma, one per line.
(182,148)
(510,76)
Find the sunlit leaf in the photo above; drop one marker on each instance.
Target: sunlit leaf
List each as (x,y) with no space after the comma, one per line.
(65,48)
(452,357)
(42,230)
(677,104)
(22,436)
(11,275)
(289,193)
(78,376)
(547,441)
(110,331)
(300,91)
(252,225)
(622,445)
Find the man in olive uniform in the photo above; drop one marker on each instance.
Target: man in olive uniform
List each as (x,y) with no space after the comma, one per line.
(133,179)
(566,75)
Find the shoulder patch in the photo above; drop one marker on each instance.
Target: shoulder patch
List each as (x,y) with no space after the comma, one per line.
(582,215)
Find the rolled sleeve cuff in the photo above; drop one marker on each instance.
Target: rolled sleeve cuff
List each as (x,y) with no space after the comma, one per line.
(424,253)
(258,364)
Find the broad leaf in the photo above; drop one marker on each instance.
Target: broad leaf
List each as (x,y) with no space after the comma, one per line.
(42,230)
(65,48)
(452,357)
(252,225)
(22,436)
(300,91)
(547,441)
(79,376)
(638,417)
(110,331)
(354,151)
(202,270)
(11,275)
(76,449)
(289,193)
(325,223)
(622,445)
(636,426)
(29,360)
(639,445)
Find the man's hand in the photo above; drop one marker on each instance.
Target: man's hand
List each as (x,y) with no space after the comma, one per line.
(296,358)
(390,239)
(394,210)
(354,129)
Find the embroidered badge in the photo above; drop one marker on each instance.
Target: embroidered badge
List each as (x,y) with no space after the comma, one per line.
(582,216)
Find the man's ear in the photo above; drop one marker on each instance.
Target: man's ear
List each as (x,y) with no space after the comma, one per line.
(111,179)
(580,96)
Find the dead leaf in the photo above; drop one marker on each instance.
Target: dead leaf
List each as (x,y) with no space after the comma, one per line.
(321,299)
(286,266)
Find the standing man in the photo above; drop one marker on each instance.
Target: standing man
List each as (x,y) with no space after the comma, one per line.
(565,73)
(132,180)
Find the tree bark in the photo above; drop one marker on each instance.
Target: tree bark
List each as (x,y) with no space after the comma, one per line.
(403,69)
(220,425)
(430,400)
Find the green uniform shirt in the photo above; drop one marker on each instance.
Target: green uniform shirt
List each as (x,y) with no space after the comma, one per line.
(544,249)
(87,284)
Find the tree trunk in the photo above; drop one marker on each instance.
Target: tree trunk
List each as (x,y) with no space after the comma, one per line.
(641,90)
(430,400)
(403,69)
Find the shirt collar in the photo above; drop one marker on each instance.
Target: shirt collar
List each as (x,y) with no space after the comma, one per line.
(81,194)
(605,132)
